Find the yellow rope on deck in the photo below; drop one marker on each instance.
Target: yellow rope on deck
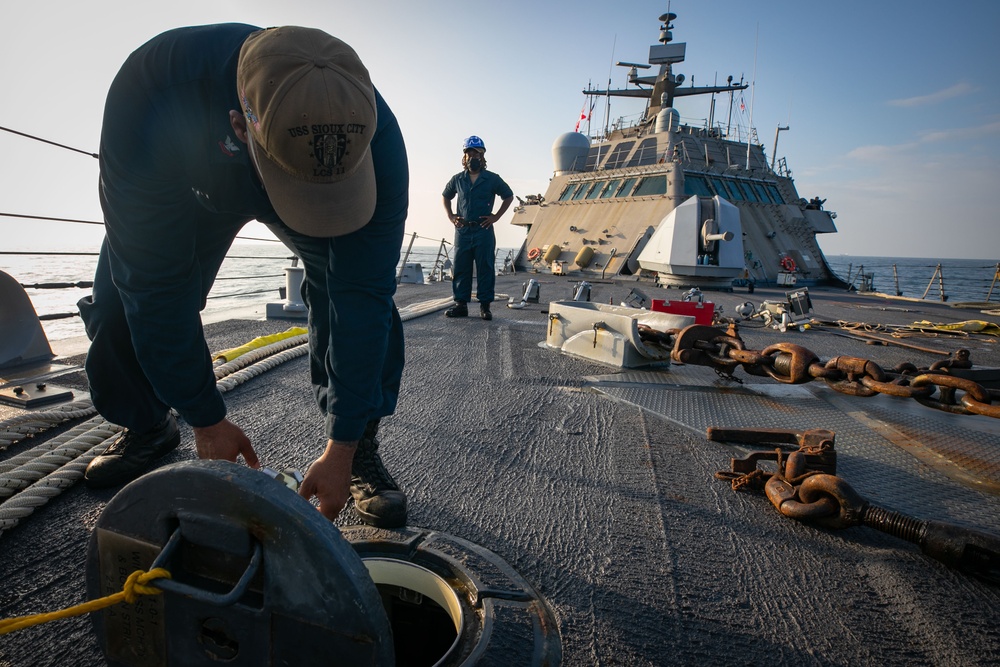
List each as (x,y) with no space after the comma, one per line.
(969,326)
(137,584)
(260,341)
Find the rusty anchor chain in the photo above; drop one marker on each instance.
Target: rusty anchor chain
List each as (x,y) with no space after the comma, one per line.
(789,363)
(804,486)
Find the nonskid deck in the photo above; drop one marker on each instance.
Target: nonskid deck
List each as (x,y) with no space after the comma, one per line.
(609,510)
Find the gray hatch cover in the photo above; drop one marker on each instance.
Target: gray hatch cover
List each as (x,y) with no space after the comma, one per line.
(259,576)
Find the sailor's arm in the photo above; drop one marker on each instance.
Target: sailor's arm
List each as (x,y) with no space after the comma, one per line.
(452,216)
(489,220)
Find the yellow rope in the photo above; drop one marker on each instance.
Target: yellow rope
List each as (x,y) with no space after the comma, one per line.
(135,585)
(258,342)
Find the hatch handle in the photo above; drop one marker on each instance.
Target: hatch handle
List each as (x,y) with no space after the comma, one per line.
(195,593)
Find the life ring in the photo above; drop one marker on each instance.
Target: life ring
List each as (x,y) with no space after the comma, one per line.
(534,253)
(788,264)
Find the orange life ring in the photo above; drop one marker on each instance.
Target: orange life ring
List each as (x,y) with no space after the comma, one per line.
(534,253)
(787,263)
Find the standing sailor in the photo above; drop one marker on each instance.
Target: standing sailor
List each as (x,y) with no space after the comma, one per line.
(206,128)
(475,239)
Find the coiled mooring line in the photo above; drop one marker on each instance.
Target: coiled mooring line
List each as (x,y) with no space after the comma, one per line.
(31,479)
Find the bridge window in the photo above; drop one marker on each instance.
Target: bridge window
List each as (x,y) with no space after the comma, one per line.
(719,188)
(625,188)
(651,185)
(747,191)
(727,189)
(594,157)
(733,189)
(572,191)
(775,194)
(581,190)
(610,188)
(761,192)
(618,155)
(696,185)
(644,154)
(593,192)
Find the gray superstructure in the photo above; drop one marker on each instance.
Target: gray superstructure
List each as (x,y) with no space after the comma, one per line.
(609,194)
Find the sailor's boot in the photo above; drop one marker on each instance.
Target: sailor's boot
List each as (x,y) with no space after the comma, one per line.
(132,454)
(458,310)
(377,497)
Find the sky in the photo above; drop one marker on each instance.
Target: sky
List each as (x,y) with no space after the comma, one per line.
(892,107)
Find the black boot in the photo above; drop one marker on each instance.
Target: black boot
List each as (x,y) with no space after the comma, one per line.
(377,497)
(458,310)
(132,454)
(484,311)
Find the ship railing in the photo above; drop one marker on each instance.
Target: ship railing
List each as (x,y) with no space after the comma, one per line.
(783,169)
(246,284)
(996,277)
(89,267)
(938,276)
(864,281)
(507,265)
(442,262)
(598,174)
(861,281)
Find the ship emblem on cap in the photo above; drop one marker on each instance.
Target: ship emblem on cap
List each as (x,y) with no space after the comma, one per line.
(329,150)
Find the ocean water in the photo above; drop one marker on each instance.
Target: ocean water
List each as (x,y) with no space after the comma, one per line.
(963,280)
(253,273)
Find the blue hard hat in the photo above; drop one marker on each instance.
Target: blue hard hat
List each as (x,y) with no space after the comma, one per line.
(473,142)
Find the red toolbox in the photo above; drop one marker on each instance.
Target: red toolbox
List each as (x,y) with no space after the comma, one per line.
(703,312)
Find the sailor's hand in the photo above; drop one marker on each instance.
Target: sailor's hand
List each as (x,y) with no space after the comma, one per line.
(456,220)
(329,478)
(487,221)
(226,441)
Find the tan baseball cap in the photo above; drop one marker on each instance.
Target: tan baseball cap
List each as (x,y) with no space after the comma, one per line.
(310,111)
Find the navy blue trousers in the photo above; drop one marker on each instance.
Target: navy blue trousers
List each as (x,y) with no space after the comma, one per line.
(118,386)
(475,244)
(349,286)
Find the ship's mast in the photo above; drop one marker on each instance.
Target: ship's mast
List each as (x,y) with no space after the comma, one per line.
(607,99)
(664,86)
(753,92)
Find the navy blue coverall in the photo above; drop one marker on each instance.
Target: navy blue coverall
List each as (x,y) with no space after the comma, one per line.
(176,187)
(472,242)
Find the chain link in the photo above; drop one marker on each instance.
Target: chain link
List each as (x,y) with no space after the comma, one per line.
(790,363)
(805,486)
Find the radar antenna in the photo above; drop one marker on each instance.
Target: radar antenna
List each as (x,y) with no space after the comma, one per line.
(633,74)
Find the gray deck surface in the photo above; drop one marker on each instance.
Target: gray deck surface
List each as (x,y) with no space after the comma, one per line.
(597,486)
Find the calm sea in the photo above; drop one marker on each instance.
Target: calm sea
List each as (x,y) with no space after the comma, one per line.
(253,273)
(962,279)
